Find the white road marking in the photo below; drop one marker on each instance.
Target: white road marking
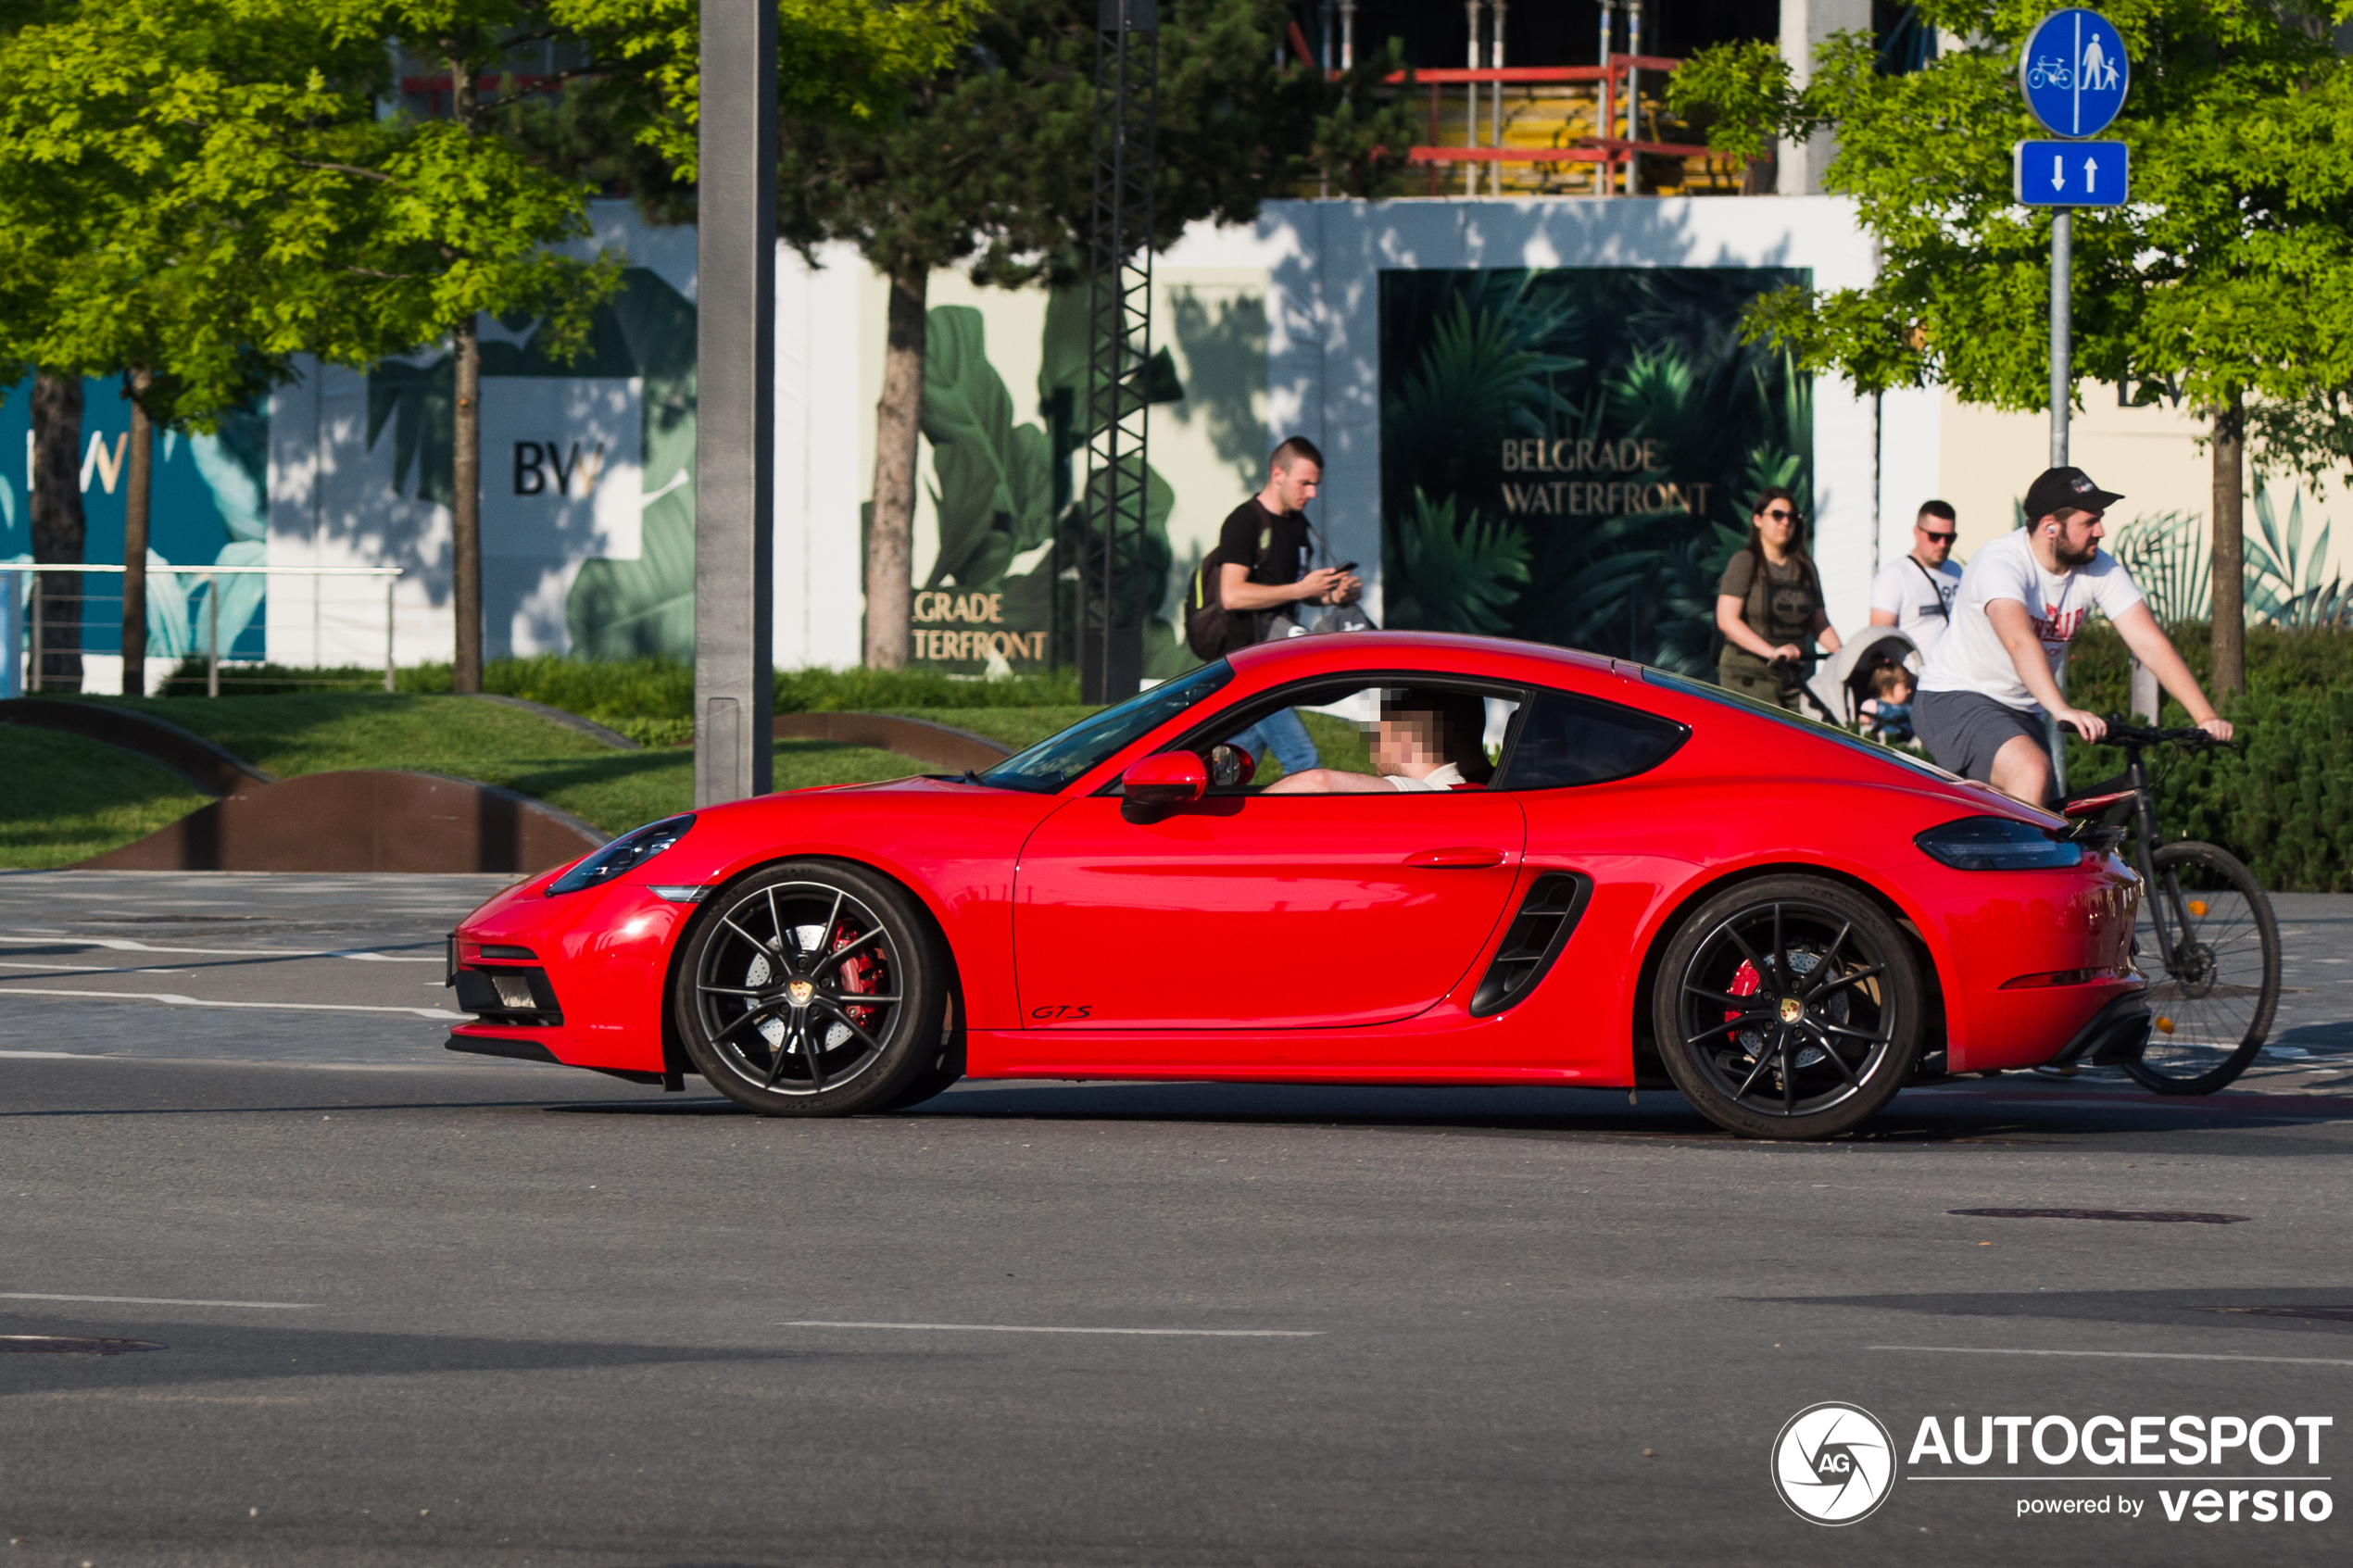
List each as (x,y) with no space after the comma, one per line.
(177,1000)
(127,945)
(49,1056)
(155,1301)
(88,969)
(1016,1328)
(2115,1355)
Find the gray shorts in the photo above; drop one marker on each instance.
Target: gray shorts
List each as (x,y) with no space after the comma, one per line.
(1963,730)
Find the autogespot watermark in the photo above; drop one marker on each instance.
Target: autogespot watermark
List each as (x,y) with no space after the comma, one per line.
(1835,1463)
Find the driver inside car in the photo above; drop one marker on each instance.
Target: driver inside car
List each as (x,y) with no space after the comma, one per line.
(1426,741)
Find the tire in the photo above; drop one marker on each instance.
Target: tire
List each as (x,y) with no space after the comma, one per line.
(767,996)
(947,1069)
(1812,1057)
(2211,1009)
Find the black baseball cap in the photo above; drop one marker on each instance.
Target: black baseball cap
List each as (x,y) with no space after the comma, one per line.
(2059,490)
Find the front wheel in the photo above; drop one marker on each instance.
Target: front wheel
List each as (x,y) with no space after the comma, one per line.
(1788,1008)
(2210,1002)
(814,989)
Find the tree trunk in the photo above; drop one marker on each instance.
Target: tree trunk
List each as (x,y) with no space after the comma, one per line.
(465,512)
(57,525)
(465,503)
(890,539)
(2229,672)
(135,502)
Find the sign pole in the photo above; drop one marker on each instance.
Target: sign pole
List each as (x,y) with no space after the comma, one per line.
(2062,345)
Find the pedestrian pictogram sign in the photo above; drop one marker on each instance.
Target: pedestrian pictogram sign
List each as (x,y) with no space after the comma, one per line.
(2074,73)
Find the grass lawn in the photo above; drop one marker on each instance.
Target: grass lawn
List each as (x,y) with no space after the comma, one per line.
(70,799)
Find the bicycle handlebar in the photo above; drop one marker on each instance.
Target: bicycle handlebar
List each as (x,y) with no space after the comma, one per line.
(2123,732)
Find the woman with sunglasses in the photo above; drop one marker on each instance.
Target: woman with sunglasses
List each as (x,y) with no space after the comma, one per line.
(1768,606)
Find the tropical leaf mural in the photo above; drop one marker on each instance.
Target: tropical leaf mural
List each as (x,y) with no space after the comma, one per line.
(1609,420)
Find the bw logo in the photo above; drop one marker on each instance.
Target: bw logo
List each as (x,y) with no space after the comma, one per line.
(1834,1464)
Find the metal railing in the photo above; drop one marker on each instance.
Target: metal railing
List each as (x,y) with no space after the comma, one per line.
(1590,115)
(41,621)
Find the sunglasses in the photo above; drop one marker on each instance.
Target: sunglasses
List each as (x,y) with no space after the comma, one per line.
(1783,515)
(1939,538)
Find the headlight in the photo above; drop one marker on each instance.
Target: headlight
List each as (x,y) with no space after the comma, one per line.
(1997,843)
(622,855)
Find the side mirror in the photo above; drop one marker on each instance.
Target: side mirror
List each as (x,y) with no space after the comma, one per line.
(1231,765)
(1160,784)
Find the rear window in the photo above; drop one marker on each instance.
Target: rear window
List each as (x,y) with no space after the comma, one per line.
(1797,720)
(1581,740)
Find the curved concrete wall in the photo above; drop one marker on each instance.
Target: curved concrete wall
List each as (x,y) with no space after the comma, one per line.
(364,819)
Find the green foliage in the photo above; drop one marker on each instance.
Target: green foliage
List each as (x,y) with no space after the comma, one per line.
(1452,577)
(990,157)
(2230,271)
(69,797)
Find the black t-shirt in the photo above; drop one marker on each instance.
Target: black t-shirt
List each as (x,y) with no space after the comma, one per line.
(1274,548)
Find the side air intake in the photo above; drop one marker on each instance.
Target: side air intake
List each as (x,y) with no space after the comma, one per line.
(1538,934)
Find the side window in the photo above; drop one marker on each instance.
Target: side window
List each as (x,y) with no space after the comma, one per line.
(1581,740)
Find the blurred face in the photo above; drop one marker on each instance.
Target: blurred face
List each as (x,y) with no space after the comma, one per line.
(1403,738)
(2075,536)
(1933,538)
(1776,523)
(1295,486)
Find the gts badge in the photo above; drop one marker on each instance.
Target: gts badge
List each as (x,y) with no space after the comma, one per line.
(1063,1012)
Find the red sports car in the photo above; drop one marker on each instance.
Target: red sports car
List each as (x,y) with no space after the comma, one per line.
(1545,868)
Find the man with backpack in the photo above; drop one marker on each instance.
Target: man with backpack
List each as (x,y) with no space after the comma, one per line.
(1251,586)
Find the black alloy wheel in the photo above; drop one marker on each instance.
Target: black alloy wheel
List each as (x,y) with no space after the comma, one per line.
(1788,1008)
(815,988)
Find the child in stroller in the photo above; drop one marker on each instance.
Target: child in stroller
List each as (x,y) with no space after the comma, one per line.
(1889,708)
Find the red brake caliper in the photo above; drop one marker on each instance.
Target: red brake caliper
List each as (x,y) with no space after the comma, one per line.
(1746,982)
(862,973)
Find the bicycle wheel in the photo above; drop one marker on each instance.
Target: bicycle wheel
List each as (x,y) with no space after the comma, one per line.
(2211,1005)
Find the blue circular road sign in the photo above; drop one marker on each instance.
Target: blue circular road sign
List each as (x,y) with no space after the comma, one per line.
(2073,73)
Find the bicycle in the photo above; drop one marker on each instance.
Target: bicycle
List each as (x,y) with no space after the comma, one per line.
(2202,917)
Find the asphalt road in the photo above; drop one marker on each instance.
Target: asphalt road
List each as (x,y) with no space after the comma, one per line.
(417,1308)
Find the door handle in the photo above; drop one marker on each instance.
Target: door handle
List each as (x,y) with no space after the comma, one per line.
(1466,857)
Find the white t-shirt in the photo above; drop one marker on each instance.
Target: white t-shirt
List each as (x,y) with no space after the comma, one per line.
(1970,658)
(1904,587)
(1444,777)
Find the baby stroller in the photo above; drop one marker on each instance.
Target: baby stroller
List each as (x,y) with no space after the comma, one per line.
(1859,663)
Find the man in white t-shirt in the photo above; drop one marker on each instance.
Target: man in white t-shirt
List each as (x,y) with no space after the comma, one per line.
(1994,672)
(1914,594)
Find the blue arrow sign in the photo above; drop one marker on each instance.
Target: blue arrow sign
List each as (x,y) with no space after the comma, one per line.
(2071,173)
(2073,73)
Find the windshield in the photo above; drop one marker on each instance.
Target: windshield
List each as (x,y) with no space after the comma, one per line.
(1052,763)
(1795,720)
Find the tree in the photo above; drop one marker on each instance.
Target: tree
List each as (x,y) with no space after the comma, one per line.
(2229,280)
(990,160)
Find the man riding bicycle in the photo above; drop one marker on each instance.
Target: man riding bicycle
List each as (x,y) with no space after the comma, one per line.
(1993,674)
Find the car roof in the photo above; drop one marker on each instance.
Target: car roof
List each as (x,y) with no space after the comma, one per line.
(1440,652)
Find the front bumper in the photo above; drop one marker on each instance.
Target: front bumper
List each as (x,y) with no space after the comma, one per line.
(577,980)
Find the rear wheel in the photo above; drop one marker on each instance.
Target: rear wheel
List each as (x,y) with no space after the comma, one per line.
(2211,1003)
(1788,1008)
(813,988)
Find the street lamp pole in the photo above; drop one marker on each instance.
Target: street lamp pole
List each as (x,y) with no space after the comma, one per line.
(736,381)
